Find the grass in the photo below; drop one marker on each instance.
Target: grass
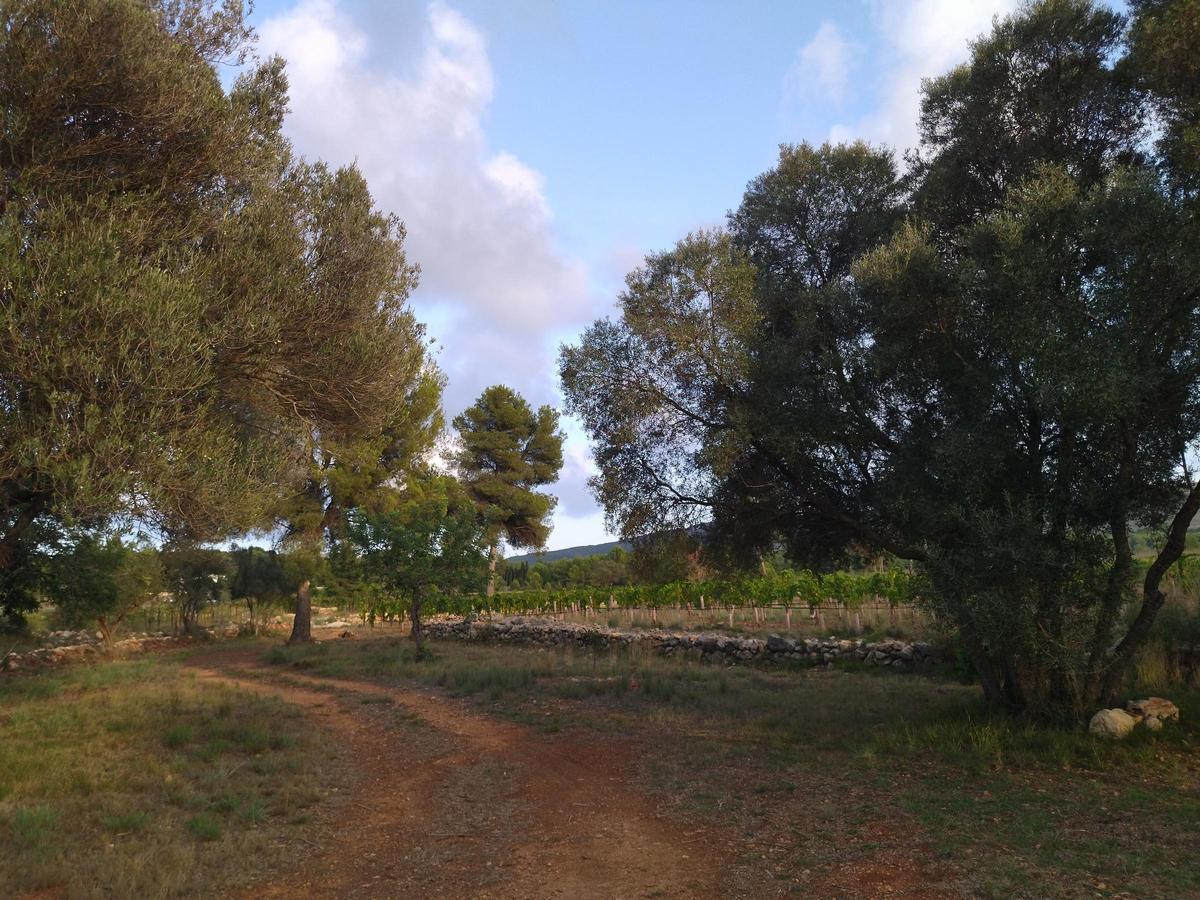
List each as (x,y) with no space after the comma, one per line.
(813,767)
(134,779)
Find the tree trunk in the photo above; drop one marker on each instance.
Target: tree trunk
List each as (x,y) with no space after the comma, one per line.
(302,624)
(493,557)
(1152,597)
(415,613)
(189,617)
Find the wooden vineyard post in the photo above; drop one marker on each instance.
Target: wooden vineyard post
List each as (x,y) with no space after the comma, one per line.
(731,616)
(654,614)
(857,622)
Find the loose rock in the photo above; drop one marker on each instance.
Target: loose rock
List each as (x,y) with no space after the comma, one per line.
(1153,708)
(1112,723)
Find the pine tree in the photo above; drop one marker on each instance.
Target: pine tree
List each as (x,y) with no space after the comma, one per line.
(507,452)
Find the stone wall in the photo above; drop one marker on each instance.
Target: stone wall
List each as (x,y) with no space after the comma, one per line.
(897,654)
(63,647)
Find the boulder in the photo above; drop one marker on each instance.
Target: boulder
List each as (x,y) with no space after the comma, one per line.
(1112,723)
(778,644)
(1153,708)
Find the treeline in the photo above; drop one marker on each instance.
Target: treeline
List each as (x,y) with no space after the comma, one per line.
(655,559)
(207,336)
(103,582)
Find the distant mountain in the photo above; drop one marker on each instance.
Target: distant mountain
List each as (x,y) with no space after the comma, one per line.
(569,552)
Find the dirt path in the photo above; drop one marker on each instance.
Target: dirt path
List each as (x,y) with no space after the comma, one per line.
(473,807)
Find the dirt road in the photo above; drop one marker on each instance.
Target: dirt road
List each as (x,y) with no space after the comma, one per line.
(463,805)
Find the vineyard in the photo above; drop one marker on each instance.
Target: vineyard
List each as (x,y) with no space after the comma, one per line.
(795,590)
(852,600)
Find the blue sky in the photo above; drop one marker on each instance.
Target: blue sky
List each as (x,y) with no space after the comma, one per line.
(538,150)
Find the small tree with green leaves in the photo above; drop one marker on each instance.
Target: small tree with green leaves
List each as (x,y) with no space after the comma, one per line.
(507,452)
(98,579)
(428,539)
(197,577)
(261,580)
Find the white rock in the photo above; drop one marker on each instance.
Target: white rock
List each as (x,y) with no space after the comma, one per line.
(1153,708)
(1112,723)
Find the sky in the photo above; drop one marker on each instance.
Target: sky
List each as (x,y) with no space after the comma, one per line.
(537,151)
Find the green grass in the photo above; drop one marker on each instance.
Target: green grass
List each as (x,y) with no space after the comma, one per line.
(205,827)
(135,779)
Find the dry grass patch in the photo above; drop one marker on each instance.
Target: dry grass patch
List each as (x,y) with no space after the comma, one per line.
(135,779)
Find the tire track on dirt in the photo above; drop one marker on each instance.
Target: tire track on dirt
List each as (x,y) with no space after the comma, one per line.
(574,826)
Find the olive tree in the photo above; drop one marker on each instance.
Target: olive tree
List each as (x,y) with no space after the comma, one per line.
(989,367)
(188,309)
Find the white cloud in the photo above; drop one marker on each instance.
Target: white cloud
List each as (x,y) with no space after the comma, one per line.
(822,69)
(574,497)
(495,287)
(919,39)
(478,220)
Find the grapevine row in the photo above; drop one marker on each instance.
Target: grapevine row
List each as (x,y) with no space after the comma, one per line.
(787,589)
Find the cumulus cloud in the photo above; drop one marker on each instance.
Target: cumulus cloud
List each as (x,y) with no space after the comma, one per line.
(822,69)
(495,286)
(478,220)
(919,39)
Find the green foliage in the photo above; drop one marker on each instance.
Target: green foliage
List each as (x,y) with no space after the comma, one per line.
(197,577)
(990,368)
(1164,55)
(612,568)
(186,304)
(792,588)
(653,389)
(508,451)
(664,557)
(428,544)
(262,579)
(94,579)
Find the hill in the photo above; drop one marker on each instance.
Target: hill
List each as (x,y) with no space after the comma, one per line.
(569,552)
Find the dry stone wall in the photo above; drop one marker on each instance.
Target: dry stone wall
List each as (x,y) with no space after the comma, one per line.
(64,647)
(903,655)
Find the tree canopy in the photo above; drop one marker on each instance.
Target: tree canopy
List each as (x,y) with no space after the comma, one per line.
(507,451)
(189,309)
(429,538)
(987,365)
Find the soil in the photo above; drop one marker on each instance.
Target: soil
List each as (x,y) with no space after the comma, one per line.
(468,806)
